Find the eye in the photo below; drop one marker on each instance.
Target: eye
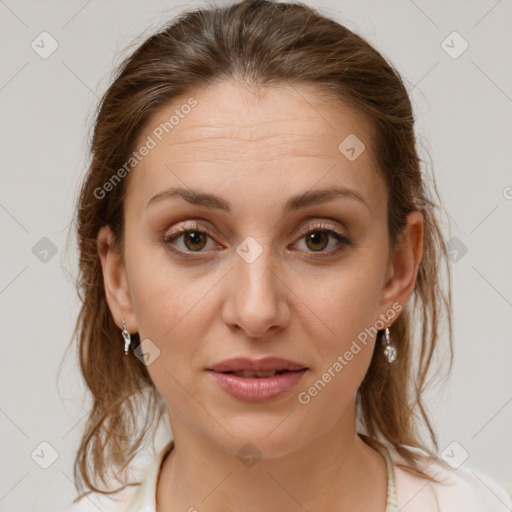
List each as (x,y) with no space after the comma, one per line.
(194,237)
(318,238)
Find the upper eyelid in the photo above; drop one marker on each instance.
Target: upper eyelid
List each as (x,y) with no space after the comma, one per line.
(306,228)
(319,225)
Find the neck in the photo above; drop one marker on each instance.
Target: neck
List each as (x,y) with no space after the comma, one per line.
(335,471)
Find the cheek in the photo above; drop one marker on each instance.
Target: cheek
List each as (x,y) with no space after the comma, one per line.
(347,305)
(162,293)
(171,314)
(167,306)
(172,307)
(347,302)
(344,350)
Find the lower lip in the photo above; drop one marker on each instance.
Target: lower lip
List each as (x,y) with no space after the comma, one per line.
(257,389)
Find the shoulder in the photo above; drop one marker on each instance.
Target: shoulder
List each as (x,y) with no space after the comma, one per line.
(464,488)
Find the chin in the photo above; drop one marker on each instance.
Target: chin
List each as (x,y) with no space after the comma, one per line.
(271,438)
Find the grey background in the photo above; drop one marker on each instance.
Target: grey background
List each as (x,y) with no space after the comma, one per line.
(463,106)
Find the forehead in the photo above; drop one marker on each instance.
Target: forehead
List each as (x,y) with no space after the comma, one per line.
(285,135)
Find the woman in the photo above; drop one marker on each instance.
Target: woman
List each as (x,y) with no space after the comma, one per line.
(257,245)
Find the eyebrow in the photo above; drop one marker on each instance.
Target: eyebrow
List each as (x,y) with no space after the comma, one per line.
(296,202)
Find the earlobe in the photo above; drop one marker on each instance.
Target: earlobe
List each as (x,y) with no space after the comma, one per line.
(405,262)
(114,279)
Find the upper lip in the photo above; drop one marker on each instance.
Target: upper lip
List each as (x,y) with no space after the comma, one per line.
(256,365)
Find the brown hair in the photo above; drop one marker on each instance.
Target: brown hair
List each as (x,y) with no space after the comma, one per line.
(258,43)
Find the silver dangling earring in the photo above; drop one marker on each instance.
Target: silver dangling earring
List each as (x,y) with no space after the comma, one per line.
(390,350)
(127,338)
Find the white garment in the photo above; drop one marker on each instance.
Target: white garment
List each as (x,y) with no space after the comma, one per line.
(464,490)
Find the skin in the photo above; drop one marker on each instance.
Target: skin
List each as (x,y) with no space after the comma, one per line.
(255,153)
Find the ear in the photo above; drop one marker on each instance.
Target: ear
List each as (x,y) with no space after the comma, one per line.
(404,263)
(115,280)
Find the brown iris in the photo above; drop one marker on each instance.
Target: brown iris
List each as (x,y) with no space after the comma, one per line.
(195,238)
(317,237)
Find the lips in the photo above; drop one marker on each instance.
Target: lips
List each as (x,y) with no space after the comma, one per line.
(257,380)
(266,364)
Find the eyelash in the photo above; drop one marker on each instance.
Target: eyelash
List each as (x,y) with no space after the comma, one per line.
(197,228)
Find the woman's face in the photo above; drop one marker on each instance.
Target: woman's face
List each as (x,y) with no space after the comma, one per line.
(265,269)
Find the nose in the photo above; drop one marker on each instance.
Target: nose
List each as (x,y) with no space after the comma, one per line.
(256,295)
